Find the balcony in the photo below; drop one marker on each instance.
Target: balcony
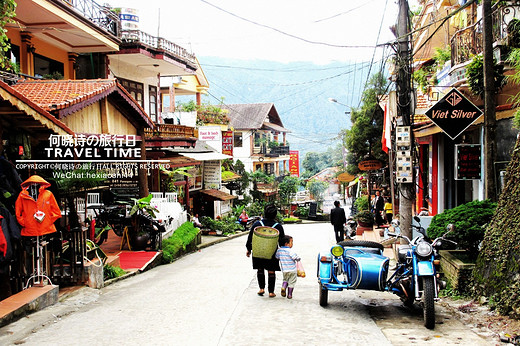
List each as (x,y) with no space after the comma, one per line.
(102,16)
(468,41)
(168,131)
(158,43)
(272,151)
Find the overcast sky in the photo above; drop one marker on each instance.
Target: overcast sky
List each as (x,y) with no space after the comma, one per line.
(284,29)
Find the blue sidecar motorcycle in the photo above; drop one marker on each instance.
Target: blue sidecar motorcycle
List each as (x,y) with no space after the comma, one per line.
(360,264)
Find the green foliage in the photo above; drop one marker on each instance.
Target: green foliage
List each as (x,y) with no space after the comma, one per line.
(143,204)
(425,77)
(365,216)
(211,114)
(287,188)
(514,60)
(475,75)
(227,224)
(469,220)
(183,238)
(8,12)
(314,162)
(441,56)
(291,220)
(363,139)
(498,266)
(317,188)
(361,203)
(302,212)
(111,272)
(189,106)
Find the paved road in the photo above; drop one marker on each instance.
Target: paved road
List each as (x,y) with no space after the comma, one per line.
(209,298)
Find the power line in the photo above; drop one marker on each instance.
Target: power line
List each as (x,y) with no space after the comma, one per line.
(283,32)
(342,13)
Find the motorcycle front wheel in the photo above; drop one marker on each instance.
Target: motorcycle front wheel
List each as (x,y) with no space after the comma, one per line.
(324,295)
(428,300)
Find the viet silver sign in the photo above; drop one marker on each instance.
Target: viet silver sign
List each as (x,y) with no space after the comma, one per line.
(454,113)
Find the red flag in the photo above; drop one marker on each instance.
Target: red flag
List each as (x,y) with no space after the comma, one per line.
(386,140)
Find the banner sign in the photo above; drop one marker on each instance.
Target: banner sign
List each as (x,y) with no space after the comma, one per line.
(454,113)
(468,162)
(294,163)
(227,142)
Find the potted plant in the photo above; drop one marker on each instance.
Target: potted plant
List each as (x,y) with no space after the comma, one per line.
(365,218)
(140,214)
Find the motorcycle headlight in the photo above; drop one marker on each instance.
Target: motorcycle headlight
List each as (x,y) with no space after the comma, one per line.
(423,249)
(337,251)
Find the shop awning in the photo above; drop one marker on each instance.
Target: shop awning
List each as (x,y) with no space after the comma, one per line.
(218,195)
(207,156)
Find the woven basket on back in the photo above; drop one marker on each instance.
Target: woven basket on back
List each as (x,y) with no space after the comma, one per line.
(265,241)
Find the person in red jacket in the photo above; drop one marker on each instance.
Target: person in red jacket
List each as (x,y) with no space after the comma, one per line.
(36,207)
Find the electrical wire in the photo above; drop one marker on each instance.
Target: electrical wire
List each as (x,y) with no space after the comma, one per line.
(283,32)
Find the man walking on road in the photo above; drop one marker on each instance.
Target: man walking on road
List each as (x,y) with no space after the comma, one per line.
(338,219)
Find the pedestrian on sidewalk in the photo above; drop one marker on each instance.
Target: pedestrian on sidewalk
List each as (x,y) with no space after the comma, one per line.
(288,259)
(243,218)
(388,210)
(261,264)
(338,220)
(379,205)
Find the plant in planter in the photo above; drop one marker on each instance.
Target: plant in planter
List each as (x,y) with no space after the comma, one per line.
(469,220)
(365,218)
(141,213)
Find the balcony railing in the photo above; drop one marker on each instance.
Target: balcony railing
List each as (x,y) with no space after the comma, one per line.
(272,152)
(157,43)
(468,41)
(102,16)
(170,131)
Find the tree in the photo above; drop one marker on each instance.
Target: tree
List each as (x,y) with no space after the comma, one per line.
(7,13)
(314,162)
(363,139)
(317,188)
(287,188)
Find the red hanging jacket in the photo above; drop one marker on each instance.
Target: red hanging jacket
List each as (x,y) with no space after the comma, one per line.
(27,208)
(3,242)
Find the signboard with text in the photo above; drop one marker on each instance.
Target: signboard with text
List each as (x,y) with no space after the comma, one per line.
(227,142)
(454,113)
(294,163)
(468,161)
(209,133)
(212,174)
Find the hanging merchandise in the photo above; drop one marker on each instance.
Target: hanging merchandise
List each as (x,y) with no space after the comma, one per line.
(36,207)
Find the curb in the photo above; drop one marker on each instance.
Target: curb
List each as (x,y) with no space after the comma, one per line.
(221,239)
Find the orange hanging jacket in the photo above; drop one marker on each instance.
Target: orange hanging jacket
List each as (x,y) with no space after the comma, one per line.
(29,212)
(3,242)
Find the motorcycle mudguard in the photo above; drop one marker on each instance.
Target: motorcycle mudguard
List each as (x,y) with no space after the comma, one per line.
(425,268)
(324,270)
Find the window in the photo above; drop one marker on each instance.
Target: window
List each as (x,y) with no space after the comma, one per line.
(47,68)
(237,140)
(135,89)
(152,96)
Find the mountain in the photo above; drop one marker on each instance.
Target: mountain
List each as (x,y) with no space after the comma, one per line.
(299,91)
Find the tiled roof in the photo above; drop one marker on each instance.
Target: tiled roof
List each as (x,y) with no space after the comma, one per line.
(60,94)
(67,96)
(252,115)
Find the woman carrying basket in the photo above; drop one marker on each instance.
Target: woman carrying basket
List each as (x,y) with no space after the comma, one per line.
(261,264)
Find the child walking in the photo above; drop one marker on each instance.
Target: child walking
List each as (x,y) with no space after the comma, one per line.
(288,261)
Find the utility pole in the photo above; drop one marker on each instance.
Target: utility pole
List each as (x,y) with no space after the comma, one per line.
(406,190)
(489,104)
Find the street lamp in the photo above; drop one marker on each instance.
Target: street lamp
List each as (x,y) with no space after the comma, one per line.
(333,100)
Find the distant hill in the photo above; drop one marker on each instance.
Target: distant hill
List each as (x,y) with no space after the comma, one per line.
(299,90)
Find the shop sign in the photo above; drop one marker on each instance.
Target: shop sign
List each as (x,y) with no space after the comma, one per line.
(227,143)
(345,177)
(370,165)
(294,163)
(212,174)
(209,133)
(454,113)
(468,161)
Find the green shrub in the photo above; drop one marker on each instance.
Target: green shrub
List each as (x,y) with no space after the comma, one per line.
(302,212)
(291,220)
(469,220)
(361,203)
(180,240)
(111,272)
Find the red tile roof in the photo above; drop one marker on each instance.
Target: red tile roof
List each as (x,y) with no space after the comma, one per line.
(60,94)
(67,96)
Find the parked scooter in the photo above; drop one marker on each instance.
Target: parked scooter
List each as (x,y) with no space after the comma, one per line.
(350,228)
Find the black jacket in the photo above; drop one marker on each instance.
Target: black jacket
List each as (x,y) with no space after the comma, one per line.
(337,216)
